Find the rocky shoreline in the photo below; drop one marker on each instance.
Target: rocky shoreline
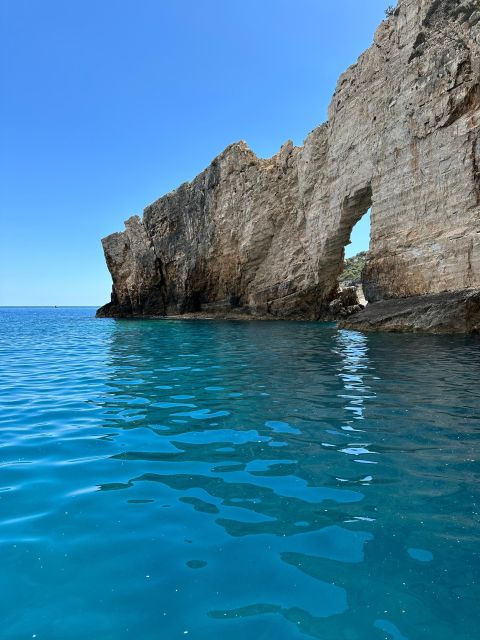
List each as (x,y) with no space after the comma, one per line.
(451,312)
(445,313)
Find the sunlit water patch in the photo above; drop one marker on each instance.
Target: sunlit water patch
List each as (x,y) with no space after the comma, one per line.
(210,480)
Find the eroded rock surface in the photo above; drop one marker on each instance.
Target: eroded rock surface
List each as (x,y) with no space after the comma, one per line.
(448,312)
(267,237)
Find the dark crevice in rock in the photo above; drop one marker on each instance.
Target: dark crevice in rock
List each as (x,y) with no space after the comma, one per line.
(476,168)
(418,47)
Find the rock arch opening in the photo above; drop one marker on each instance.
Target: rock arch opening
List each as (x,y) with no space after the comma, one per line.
(355,238)
(359,238)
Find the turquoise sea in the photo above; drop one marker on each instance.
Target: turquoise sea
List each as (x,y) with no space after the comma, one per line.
(259,480)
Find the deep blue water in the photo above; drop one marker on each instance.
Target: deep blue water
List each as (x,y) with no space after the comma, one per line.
(210,480)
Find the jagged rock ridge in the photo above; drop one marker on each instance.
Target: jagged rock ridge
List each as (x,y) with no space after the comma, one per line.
(267,237)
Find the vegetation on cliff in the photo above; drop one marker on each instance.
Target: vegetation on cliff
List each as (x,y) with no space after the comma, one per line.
(352,270)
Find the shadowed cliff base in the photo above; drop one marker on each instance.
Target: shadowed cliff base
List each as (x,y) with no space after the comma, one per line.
(252,237)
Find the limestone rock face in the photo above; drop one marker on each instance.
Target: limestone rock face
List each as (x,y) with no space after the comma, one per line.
(267,237)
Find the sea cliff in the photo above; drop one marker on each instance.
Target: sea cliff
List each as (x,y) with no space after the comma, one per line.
(266,237)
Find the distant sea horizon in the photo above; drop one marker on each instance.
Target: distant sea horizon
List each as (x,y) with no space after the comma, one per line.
(50,306)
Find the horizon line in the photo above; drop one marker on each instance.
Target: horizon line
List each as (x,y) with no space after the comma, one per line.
(48,306)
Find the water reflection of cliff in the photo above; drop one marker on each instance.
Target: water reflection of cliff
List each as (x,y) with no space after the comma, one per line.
(235,398)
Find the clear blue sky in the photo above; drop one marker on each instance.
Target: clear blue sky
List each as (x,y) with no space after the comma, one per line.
(107,104)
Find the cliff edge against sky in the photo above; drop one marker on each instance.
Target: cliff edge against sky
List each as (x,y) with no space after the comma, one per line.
(267,237)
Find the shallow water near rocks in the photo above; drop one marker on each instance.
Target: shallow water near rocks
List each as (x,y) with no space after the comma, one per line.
(210,480)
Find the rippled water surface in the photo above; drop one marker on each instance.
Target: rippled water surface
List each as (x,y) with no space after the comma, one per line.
(210,480)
